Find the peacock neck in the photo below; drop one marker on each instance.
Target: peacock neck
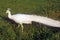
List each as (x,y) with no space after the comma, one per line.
(9,15)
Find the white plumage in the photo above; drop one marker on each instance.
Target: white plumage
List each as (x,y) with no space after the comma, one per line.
(25,18)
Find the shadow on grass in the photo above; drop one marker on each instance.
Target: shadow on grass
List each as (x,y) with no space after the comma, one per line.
(54,29)
(8,20)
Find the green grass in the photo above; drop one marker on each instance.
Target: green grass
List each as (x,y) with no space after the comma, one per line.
(34,31)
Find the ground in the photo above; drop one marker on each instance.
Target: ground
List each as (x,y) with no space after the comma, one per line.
(34,31)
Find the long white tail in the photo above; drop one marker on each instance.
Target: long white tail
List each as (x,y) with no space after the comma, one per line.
(46,21)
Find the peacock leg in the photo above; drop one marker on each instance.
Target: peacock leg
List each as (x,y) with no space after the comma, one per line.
(18,25)
(22,27)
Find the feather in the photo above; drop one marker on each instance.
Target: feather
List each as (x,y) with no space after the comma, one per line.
(47,21)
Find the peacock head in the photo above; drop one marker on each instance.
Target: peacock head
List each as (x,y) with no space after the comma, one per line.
(8,11)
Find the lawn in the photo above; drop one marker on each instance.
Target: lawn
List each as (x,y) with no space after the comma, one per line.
(34,31)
